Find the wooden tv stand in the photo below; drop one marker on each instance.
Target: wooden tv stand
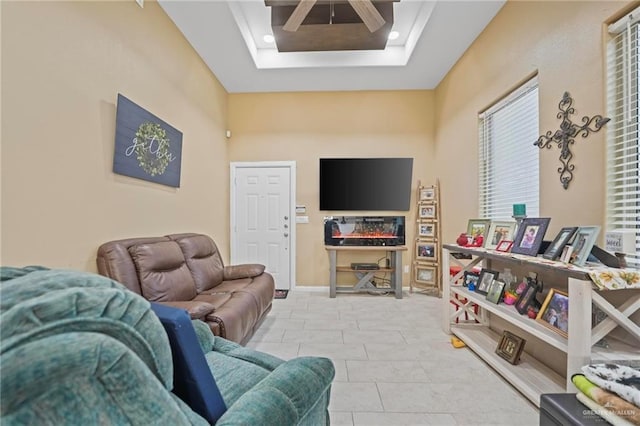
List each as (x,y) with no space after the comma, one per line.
(364,276)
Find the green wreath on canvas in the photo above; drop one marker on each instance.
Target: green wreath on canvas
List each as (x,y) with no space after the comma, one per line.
(153,153)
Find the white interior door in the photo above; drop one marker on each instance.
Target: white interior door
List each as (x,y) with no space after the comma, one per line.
(263,218)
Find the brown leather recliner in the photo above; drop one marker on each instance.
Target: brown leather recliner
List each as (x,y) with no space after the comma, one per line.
(186,271)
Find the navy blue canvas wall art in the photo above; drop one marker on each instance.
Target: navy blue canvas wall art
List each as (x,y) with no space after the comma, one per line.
(146,147)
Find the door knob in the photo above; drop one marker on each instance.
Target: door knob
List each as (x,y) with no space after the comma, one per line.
(286,218)
(286,226)
(286,234)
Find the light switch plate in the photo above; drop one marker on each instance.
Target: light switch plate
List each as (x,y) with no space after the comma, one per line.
(302,219)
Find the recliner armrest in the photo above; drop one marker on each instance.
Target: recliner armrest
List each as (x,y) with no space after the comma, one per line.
(249,270)
(289,392)
(196,310)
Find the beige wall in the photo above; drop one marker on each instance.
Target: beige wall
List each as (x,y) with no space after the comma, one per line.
(563,43)
(63,65)
(304,127)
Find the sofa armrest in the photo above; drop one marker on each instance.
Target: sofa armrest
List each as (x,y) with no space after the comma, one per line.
(196,310)
(290,392)
(249,270)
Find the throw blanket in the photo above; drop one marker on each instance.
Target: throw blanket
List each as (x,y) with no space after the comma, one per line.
(622,380)
(606,404)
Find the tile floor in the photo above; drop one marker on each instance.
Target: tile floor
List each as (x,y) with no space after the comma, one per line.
(394,365)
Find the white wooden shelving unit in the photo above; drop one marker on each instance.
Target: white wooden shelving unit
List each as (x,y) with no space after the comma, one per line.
(530,376)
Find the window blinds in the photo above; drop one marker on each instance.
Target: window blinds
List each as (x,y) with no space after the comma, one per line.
(623,146)
(508,160)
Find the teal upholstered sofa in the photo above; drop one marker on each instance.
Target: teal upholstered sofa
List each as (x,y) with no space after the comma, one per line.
(78,348)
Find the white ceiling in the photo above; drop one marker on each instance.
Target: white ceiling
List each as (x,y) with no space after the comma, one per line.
(228,35)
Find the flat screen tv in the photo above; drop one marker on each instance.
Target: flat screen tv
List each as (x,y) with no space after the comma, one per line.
(365,183)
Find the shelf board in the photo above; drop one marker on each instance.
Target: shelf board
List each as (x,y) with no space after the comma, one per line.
(532,263)
(529,376)
(617,351)
(509,313)
(350,269)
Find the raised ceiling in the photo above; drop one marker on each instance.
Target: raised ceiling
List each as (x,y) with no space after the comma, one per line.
(228,35)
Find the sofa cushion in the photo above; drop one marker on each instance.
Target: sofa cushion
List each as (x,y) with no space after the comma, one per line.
(163,272)
(248,270)
(203,260)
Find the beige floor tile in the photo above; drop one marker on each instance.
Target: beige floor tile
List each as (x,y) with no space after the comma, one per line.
(330,324)
(368,336)
(333,350)
(309,336)
(341,370)
(341,418)
(403,419)
(386,371)
(347,396)
(394,365)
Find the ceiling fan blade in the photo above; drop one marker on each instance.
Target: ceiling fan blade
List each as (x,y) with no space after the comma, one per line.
(299,13)
(368,13)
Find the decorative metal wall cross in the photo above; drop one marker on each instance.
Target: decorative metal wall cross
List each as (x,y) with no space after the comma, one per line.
(565,136)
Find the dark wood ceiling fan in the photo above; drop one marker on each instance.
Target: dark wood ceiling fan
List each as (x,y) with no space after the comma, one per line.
(364,8)
(330,25)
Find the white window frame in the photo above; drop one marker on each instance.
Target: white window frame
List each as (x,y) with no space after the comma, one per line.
(509,165)
(623,143)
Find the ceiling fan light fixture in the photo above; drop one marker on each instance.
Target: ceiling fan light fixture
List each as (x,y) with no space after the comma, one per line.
(393,35)
(268,38)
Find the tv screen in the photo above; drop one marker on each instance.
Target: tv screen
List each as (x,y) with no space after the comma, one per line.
(365,183)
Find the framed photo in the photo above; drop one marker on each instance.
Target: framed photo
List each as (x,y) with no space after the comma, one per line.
(554,312)
(426,251)
(495,291)
(428,212)
(529,236)
(555,248)
(499,231)
(504,246)
(477,227)
(428,194)
(582,243)
(527,297)
(426,230)
(470,278)
(426,274)
(484,281)
(510,347)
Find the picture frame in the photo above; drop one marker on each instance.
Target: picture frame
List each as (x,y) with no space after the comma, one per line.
(427,211)
(529,236)
(555,248)
(426,251)
(510,347)
(585,238)
(527,297)
(496,290)
(485,279)
(504,246)
(428,193)
(554,313)
(426,274)
(470,277)
(499,231)
(427,230)
(477,227)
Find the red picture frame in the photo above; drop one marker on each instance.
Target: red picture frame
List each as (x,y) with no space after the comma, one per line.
(504,246)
